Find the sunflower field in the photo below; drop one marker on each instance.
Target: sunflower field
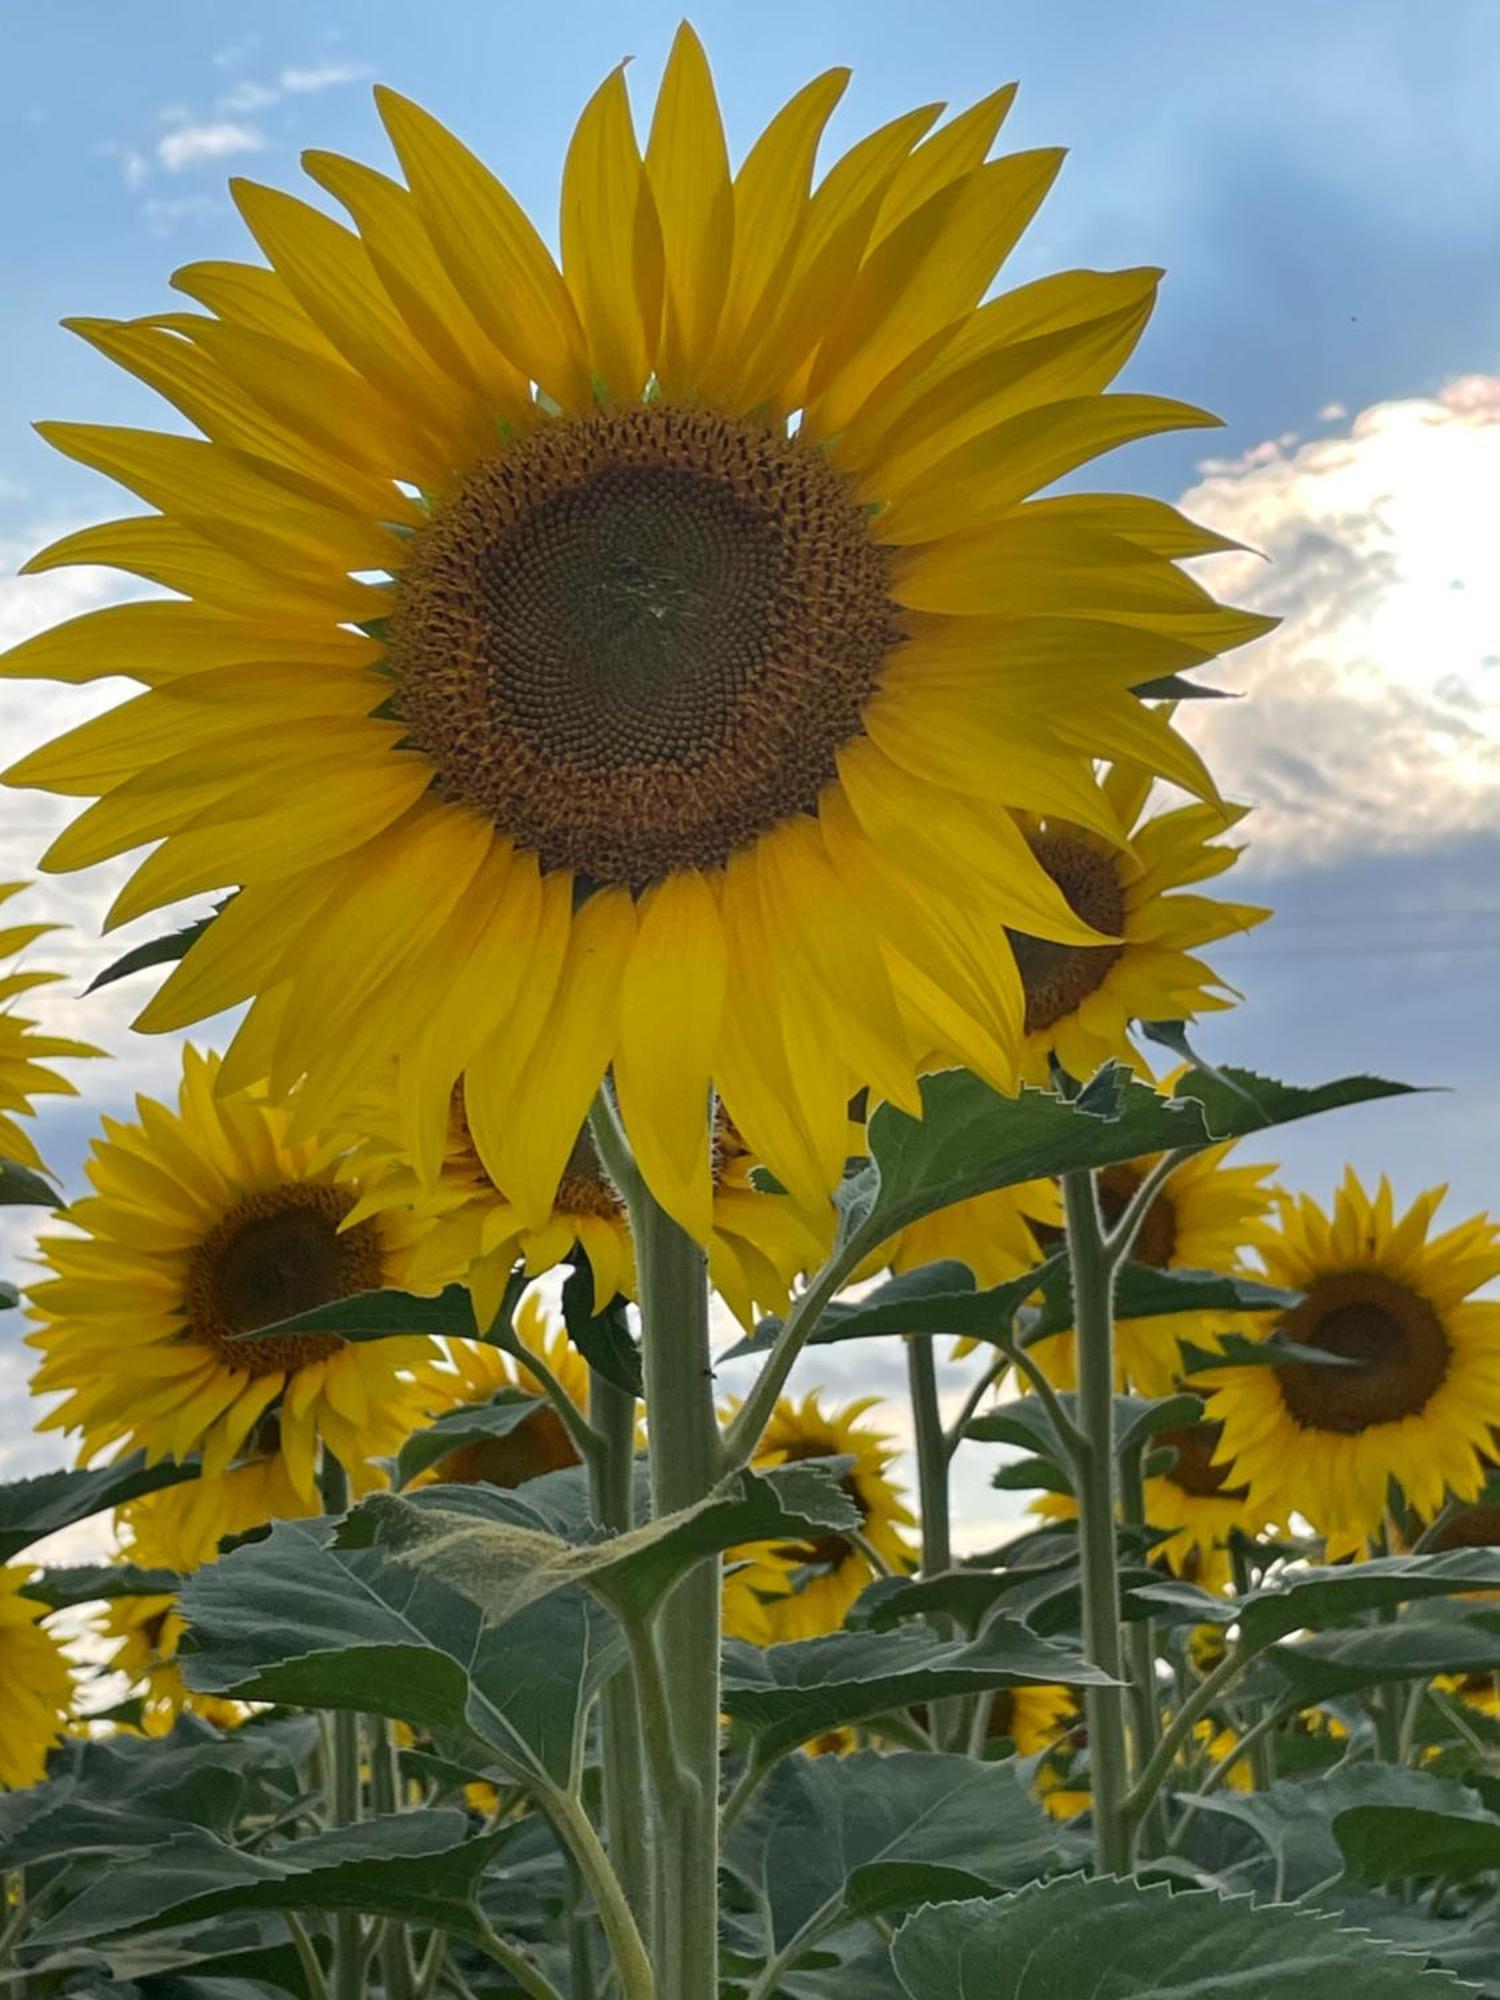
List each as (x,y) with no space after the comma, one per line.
(701,851)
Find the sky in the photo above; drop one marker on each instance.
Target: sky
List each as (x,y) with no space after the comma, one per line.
(1318,183)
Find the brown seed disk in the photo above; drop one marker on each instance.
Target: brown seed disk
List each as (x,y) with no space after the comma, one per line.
(1156,1239)
(1057,978)
(1194,1470)
(637,639)
(1393,1333)
(275,1254)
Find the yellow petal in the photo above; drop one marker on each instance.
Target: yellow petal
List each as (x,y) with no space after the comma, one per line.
(249,295)
(687,162)
(611,242)
(493,253)
(671,1006)
(953,151)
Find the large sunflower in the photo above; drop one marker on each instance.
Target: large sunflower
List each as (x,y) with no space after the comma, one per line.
(1206,1218)
(204,1223)
(24,1075)
(1082,999)
(1423,1404)
(37,1680)
(468,1230)
(627,662)
(805,1589)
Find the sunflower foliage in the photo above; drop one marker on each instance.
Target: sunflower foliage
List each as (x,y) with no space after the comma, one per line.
(683,808)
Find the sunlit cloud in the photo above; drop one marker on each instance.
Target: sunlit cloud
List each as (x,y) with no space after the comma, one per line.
(1373,722)
(195,145)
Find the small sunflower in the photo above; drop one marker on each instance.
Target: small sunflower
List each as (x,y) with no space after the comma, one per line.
(25,1051)
(1423,1403)
(37,1680)
(1205,1219)
(1081,999)
(1034,1718)
(826,1575)
(468,1231)
(539,1443)
(143,1635)
(206,1222)
(622,664)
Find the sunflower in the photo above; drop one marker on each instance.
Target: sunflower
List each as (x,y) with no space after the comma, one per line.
(806,1589)
(23,1073)
(204,1223)
(469,1231)
(1205,1219)
(539,1443)
(143,1635)
(1082,999)
(623,663)
(37,1680)
(1423,1403)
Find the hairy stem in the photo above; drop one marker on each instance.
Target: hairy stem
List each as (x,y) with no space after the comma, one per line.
(344,1787)
(949,1718)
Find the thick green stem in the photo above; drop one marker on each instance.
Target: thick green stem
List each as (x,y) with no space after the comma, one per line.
(576,1831)
(1141,1641)
(612,1495)
(686,1462)
(396,1967)
(1093,1320)
(344,1788)
(949,1718)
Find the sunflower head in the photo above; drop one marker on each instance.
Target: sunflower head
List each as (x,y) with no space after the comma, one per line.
(37,1679)
(26,1051)
(203,1224)
(630,663)
(539,1443)
(1406,1394)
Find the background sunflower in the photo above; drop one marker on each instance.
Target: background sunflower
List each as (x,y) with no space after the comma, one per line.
(206,1222)
(37,1680)
(26,1052)
(1417,1400)
(657,716)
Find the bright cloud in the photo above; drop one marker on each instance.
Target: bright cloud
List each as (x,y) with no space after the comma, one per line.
(192,145)
(1374,714)
(322,76)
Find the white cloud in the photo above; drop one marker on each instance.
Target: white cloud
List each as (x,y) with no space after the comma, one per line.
(235,53)
(1373,718)
(191,145)
(247,96)
(1331,413)
(323,76)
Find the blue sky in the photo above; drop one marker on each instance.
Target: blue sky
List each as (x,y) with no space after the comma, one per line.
(1319,182)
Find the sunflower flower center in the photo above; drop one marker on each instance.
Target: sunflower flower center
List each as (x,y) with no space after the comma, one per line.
(585,1188)
(276,1254)
(538,1444)
(637,639)
(1156,1240)
(1194,1471)
(1058,978)
(1392,1332)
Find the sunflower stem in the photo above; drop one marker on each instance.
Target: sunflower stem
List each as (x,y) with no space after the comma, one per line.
(1093,1318)
(1142,1645)
(347,1982)
(685,1459)
(396,1966)
(949,1721)
(612,1496)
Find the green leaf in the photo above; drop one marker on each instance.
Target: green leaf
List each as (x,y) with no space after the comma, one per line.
(1319,1597)
(1275,1351)
(1143,1292)
(1113,1939)
(21,1187)
(31,1509)
(10,1298)
(785,1695)
(603,1338)
(483,1542)
(1027,1423)
(423,1866)
(826,1838)
(1177,687)
(1381,1842)
(470,1423)
(156,951)
(379,1315)
(1360,1656)
(93,1583)
(971,1139)
(296,1618)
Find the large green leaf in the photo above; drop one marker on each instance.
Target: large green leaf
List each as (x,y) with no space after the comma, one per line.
(1382,1842)
(784,1695)
(1143,1292)
(423,1866)
(601,1333)
(488,1547)
(1318,1597)
(155,951)
(31,1509)
(470,1423)
(971,1139)
(1112,1939)
(23,1187)
(829,1838)
(1027,1423)
(296,1618)
(381,1314)
(934,1298)
(1360,1656)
